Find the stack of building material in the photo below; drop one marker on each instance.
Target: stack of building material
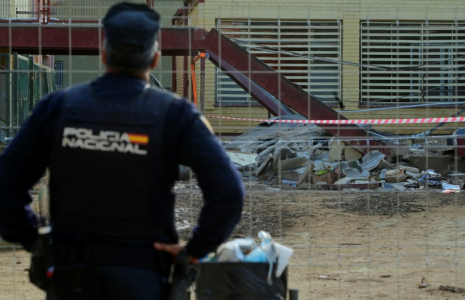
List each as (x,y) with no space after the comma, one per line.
(305,156)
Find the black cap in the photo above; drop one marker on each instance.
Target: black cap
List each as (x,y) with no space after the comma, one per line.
(131,28)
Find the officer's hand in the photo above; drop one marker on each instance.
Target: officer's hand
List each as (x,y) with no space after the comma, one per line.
(173,249)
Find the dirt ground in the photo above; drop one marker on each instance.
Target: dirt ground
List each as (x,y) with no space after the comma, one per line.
(348,245)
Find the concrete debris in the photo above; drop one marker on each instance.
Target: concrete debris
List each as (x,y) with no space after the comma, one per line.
(371,160)
(383,164)
(411,169)
(396,175)
(412,175)
(305,176)
(290,182)
(312,149)
(412,185)
(350,154)
(282,153)
(293,174)
(456,178)
(293,163)
(448,186)
(424,283)
(327,177)
(344,180)
(305,156)
(264,164)
(241,158)
(335,150)
(355,173)
(355,164)
(321,155)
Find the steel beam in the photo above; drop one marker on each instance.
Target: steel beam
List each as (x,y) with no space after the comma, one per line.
(272,105)
(222,50)
(84,39)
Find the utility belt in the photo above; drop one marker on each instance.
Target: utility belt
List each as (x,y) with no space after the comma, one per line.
(68,268)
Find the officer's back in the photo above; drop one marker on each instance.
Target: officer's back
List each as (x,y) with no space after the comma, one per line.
(113,147)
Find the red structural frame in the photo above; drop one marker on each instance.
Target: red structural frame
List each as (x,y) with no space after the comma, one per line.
(79,40)
(245,69)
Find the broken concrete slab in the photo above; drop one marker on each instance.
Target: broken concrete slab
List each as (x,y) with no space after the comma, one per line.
(350,154)
(242,158)
(263,164)
(282,153)
(293,174)
(292,163)
(264,154)
(335,150)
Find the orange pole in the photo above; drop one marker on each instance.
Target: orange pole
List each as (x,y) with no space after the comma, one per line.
(194,85)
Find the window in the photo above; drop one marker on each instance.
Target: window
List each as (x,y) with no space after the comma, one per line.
(422,62)
(289,43)
(58,73)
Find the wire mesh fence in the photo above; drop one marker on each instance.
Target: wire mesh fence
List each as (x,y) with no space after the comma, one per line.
(372,208)
(23,83)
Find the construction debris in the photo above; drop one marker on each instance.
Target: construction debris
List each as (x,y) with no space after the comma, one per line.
(424,283)
(305,156)
(396,175)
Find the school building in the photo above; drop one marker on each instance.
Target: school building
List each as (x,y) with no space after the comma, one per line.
(374,55)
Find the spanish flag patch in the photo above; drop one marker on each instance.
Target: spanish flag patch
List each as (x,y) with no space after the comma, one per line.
(138,138)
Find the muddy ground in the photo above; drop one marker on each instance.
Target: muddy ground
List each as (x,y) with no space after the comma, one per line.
(348,245)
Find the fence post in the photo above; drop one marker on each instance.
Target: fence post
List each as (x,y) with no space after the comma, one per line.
(14,95)
(32,78)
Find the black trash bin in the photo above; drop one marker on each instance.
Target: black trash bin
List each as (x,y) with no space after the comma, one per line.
(239,281)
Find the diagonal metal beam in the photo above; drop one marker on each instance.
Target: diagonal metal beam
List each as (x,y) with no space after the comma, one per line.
(272,104)
(229,56)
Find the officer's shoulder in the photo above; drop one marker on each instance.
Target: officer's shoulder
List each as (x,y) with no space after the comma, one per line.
(179,107)
(165,93)
(48,106)
(51,101)
(79,86)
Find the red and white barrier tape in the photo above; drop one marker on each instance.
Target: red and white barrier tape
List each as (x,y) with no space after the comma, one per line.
(360,121)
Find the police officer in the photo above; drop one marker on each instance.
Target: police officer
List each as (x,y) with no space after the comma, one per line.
(113,147)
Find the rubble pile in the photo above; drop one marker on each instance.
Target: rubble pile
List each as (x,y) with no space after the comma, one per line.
(306,156)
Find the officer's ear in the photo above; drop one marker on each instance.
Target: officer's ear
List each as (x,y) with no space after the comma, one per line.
(155,60)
